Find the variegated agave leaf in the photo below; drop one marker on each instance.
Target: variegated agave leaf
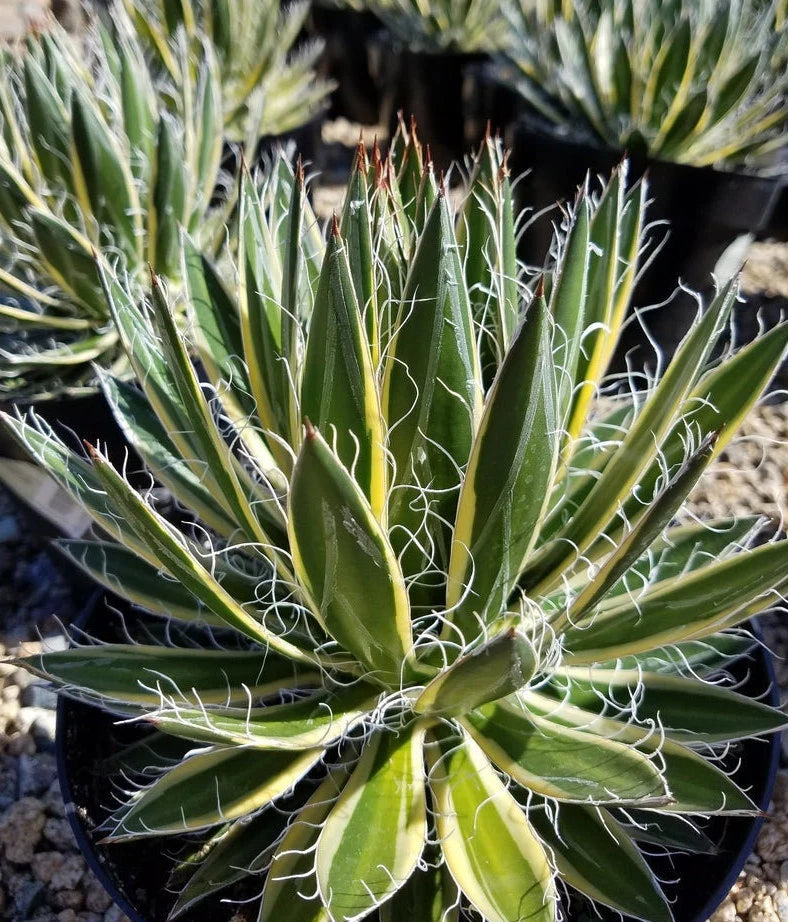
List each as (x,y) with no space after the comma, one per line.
(691,82)
(268,84)
(444,25)
(94,159)
(502,659)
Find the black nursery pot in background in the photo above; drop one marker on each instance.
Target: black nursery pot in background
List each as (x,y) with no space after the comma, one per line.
(706,210)
(345,60)
(136,873)
(433,88)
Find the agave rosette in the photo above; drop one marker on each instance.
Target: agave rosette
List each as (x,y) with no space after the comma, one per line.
(458,26)
(697,83)
(92,161)
(467,631)
(269,86)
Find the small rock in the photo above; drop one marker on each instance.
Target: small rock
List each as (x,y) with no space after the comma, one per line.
(20,829)
(44,865)
(96,897)
(114,914)
(53,800)
(36,773)
(780,900)
(9,529)
(21,743)
(744,899)
(10,693)
(726,913)
(67,915)
(8,780)
(28,898)
(69,874)
(68,899)
(43,730)
(39,695)
(58,833)
(90,917)
(21,677)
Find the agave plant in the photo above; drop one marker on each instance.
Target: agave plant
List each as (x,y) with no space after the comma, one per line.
(91,161)
(464,26)
(268,88)
(684,81)
(451,621)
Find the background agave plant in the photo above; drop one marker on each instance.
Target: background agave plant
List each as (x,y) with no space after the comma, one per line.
(92,161)
(268,86)
(465,26)
(453,615)
(688,82)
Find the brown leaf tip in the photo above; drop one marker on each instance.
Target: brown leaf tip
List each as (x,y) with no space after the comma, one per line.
(300,172)
(540,287)
(335,226)
(309,430)
(361,155)
(442,185)
(92,451)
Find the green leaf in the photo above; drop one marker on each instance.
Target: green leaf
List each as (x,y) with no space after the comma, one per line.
(373,837)
(702,656)
(68,258)
(249,509)
(141,674)
(315,721)
(683,549)
(596,856)
(344,560)
(220,343)
(486,240)
(212,787)
(125,573)
(494,670)
(489,847)
(561,762)
(689,710)
(338,392)
(718,403)
(431,398)
(103,167)
(666,829)
(695,785)
(181,561)
(290,886)
(260,285)
(167,208)
(681,608)
(430,894)
(243,849)
(49,128)
(356,229)
(139,106)
(506,487)
(150,438)
(633,457)
(656,516)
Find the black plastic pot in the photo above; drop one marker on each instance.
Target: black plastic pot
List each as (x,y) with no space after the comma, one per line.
(345,60)
(86,417)
(707,210)
(432,87)
(135,873)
